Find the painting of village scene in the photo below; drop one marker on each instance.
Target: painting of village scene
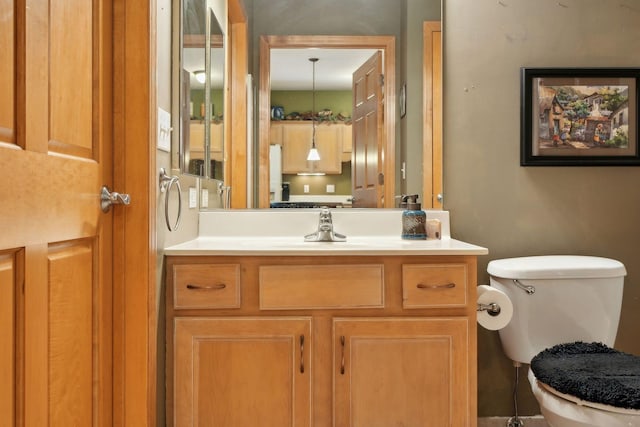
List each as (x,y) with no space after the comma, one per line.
(585,117)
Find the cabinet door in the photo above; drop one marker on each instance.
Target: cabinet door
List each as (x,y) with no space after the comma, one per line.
(239,372)
(411,372)
(275,133)
(329,144)
(217,141)
(296,142)
(196,140)
(347,142)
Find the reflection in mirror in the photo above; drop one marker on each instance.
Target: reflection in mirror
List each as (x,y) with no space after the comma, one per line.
(291,109)
(357,151)
(201,91)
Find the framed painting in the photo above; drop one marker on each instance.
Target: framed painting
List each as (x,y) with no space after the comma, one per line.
(579,117)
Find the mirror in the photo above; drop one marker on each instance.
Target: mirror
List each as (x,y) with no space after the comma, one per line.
(201,91)
(246,167)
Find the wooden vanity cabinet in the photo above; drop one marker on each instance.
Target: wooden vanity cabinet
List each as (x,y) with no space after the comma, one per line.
(321,341)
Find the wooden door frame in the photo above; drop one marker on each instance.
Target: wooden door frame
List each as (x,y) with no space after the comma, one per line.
(432,115)
(135,295)
(385,43)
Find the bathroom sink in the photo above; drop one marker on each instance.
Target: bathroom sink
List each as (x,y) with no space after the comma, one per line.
(278,232)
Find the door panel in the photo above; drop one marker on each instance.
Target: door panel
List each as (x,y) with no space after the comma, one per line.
(9,307)
(71,332)
(55,154)
(71,77)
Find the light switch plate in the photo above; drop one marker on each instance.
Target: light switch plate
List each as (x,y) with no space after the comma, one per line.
(164,130)
(331,188)
(204,198)
(193,197)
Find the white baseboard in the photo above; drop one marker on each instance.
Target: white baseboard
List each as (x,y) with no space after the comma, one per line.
(534,421)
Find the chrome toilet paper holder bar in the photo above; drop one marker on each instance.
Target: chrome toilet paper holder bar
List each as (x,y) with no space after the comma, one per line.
(492,309)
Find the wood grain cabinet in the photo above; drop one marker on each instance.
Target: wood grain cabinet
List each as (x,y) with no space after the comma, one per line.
(326,342)
(295,138)
(196,140)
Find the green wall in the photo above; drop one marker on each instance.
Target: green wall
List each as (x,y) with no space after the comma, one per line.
(318,184)
(197,97)
(338,101)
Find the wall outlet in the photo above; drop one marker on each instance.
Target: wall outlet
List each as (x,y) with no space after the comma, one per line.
(306,188)
(204,198)
(331,188)
(193,197)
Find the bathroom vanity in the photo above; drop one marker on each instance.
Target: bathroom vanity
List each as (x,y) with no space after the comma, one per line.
(275,331)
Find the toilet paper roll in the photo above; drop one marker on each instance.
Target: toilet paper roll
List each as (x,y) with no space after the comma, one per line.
(489,295)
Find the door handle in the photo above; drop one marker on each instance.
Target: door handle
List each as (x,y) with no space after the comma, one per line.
(108,198)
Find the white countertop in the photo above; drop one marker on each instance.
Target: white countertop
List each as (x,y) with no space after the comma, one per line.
(280,232)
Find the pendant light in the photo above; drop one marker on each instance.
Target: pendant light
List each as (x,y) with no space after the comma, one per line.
(313,153)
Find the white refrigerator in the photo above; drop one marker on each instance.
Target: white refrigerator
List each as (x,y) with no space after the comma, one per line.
(275,172)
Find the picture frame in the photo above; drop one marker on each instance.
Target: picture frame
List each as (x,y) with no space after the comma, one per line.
(579,116)
(403,100)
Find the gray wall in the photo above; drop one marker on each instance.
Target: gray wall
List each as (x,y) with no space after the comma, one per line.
(414,15)
(517,211)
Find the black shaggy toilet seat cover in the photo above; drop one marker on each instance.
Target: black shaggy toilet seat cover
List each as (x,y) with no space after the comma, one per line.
(592,372)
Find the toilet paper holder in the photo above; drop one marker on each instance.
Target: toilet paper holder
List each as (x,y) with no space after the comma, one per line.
(492,309)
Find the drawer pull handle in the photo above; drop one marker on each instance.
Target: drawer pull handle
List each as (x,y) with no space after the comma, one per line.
(443,286)
(302,354)
(342,340)
(207,288)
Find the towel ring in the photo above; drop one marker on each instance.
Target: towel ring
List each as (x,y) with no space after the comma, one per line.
(166,182)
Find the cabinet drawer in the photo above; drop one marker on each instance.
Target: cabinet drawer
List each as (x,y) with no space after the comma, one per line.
(434,285)
(206,286)
(325,286)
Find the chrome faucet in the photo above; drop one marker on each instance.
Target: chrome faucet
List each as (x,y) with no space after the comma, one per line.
(325,231)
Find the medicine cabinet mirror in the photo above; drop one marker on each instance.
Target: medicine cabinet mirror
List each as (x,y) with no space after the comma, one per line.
(201,91)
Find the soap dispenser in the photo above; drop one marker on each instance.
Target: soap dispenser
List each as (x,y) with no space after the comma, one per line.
(413,219)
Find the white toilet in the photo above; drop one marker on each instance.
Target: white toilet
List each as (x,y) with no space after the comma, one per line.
(556,300)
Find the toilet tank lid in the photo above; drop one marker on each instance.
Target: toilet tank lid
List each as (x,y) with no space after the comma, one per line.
(556,267)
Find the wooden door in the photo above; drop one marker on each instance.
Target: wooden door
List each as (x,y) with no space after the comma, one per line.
(367,166)
(411,372)
(238,372)
(55,244)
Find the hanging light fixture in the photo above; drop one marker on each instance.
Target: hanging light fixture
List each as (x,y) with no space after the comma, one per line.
(200,76)
(313,153)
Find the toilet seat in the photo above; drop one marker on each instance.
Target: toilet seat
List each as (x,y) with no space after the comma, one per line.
(559,411)
(578,401)
(590,374)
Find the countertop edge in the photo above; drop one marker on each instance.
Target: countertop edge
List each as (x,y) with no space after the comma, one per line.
(195,248)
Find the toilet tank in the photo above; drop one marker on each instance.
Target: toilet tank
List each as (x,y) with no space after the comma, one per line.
(576,298)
